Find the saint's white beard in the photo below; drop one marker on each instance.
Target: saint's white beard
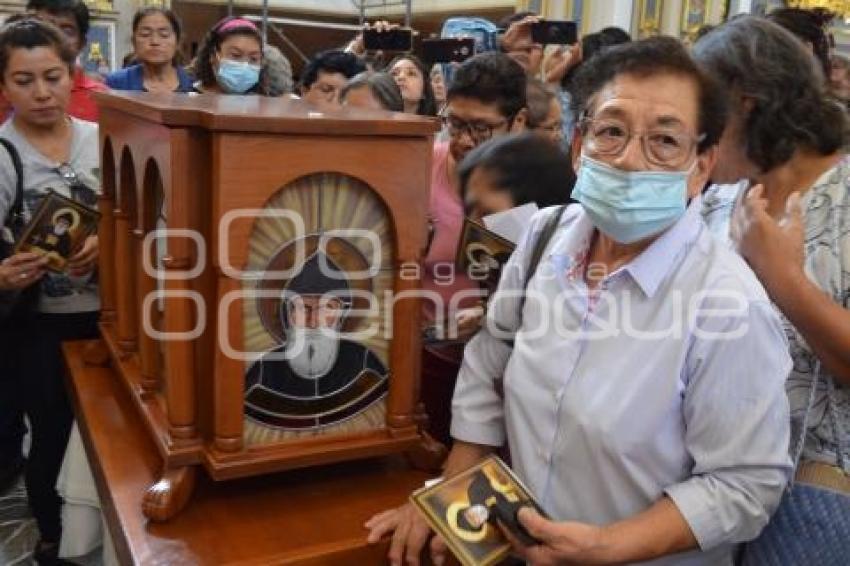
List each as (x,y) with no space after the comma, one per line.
(311,352)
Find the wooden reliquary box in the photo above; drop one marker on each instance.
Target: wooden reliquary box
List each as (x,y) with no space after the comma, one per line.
(253,254)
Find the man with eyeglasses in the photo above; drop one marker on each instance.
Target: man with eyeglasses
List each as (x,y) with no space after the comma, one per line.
(486,99)
(72,19)
(643,379)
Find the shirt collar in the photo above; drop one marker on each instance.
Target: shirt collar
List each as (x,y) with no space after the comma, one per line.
(654,264)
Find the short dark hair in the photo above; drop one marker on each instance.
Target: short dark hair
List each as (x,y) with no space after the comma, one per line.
(809,26)
(331,61)
(492,78)
(428,103)
(648,57)
(75,8)
(29,33)
(202,66)
(760,60)
(529,167)
(593,44)
(382,86)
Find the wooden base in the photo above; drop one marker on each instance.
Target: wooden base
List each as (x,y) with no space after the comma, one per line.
(308,517)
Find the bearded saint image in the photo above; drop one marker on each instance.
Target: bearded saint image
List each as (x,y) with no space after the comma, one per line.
(315,378)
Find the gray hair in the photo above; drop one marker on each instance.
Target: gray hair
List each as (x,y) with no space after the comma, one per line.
(765,63)
(382,86)
(278,71)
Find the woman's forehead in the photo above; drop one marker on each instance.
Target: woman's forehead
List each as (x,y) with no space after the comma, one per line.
(655,98)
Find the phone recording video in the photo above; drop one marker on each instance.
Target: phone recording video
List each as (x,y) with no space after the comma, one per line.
(451,50)
(557,32)
(397,39)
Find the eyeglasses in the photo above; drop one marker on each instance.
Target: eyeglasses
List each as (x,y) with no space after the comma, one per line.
(669,148)
(478,130)
(79,190)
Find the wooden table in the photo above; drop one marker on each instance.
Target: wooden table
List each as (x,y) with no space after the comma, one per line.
(307,517)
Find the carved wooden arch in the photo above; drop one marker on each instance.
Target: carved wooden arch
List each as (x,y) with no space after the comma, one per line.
(106,230)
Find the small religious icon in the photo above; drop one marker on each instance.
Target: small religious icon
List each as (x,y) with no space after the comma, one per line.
(58,229)
(471,510)
(315,377)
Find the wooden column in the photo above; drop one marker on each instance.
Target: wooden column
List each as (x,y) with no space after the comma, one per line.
(148,347)
(106,244)
(405,353)
(125,284)
(179,354)
(229,372)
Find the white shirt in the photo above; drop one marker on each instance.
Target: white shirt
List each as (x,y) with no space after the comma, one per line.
(630,397)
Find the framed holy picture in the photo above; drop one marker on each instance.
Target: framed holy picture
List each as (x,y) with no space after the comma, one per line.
(58,229)
(649,18)
(481,254)
(695,14)
(470,510)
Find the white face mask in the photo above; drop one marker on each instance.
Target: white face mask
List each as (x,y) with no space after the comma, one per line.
(311,352)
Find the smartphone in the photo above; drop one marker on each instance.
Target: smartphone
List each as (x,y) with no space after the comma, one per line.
(397,39)
(559,32)
(451,50)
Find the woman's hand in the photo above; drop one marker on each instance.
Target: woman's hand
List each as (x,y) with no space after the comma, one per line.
(410,535)
(21,270)
(560,543)
(561,61)
(85,260)
(518,33)
(773,248)
(468,321)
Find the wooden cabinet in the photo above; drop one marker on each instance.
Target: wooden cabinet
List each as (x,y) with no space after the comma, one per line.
(255,302)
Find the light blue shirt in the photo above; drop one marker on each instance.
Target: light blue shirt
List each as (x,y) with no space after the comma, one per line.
(669,379)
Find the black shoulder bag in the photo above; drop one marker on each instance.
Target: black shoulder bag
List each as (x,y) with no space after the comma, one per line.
(14,303)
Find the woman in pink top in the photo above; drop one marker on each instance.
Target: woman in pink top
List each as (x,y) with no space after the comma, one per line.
(485,99)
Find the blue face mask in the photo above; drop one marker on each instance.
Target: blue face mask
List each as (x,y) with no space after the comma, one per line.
(629,206)
(237,77)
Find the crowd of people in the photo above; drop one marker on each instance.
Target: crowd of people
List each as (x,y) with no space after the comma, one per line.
(667,175)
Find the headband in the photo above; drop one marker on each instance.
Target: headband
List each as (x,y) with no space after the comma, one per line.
(237,23)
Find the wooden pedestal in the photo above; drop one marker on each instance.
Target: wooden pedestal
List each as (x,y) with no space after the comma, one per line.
(306,517)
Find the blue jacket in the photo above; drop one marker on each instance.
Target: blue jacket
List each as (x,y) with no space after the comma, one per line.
(131,78)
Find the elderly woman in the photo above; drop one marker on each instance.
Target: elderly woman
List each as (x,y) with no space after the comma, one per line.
(649,421)
(156,40)
(786,139)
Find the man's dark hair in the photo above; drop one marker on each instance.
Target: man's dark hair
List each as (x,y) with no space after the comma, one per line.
(491,78)
(331,61)
(645,58)
(75,8)
(382,86)
(529,167)
(612,35)
(593,44)
(29,33)
(809,26)
(759,60)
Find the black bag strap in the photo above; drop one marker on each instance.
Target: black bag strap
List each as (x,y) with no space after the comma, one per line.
(536,255)
(539,247)
(15,218)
